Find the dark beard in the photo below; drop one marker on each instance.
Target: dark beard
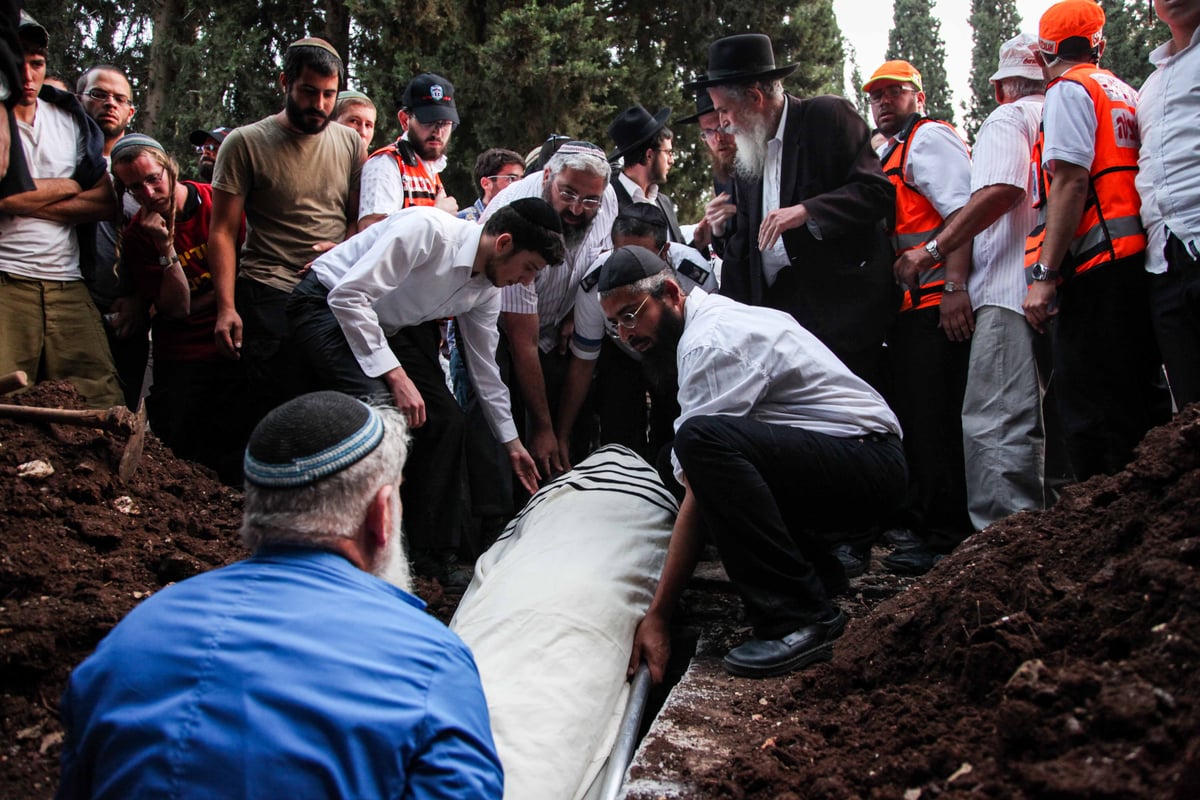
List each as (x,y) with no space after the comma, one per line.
(660,361)
(304,121)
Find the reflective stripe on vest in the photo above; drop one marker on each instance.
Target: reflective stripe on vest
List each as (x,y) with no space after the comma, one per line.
(419,189)
(917,221)
(1110,227)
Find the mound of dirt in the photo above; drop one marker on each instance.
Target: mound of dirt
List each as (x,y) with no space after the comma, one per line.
(79,549)
(1054,655)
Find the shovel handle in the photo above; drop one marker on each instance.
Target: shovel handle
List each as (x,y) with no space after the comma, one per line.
(13,381)
(117,418)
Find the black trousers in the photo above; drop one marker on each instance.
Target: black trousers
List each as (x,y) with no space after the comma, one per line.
(621,389)
(1107,366)
(1175,308)
(927,377)
(434,480)
(197,409)
(273,375)
(770,495)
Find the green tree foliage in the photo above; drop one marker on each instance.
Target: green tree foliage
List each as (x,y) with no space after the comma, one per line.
(916,37)
(521,70)
(1132,30)
(993,22)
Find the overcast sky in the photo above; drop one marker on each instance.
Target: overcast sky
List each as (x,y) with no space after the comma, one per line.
(865,24)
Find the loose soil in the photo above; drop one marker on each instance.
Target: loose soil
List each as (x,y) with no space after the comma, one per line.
(1054,655)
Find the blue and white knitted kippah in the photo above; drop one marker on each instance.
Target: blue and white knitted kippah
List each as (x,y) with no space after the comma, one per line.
(310,438)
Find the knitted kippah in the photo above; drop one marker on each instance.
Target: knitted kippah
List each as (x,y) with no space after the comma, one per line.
(352,94)
(310,438)
(134,140)
(581,148)
(313,41)
(538,212)
(629,265)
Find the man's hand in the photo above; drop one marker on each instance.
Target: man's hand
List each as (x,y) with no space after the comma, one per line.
(957,319)
(131,315)
(406,397)
(778,221)
(523,465)
(319,248)
(566,329)
(544,448)
(1040,304)
(446,202)
(228,333)
(718,211)
(154,226)
(564,452)
(652,644)
(5,140)
(909,265)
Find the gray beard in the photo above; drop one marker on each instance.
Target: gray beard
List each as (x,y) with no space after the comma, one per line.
(751,157)
(392,565)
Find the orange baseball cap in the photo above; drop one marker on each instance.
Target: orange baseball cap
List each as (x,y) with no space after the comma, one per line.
(900,71)
(1070,19)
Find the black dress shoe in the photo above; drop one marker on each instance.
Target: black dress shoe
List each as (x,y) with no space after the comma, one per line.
(852,563)
(762,658)
(915,559)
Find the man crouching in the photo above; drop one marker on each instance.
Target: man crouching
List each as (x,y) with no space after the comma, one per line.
(297,672)
(777,442)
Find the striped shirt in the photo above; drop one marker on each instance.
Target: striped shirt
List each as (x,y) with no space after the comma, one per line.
(552,294)
(1003,150)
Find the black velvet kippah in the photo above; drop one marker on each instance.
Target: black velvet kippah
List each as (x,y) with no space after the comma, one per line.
(629,265)
(537,211)
(309,438)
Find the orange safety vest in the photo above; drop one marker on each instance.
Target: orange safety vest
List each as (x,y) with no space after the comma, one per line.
(420,189)
(1111,225)
(917,221)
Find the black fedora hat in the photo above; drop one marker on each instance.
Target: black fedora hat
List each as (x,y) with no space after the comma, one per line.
(704,105)
(634,127)
(742,58)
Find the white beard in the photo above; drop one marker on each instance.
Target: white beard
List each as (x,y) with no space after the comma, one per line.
(751,157)
(392,565)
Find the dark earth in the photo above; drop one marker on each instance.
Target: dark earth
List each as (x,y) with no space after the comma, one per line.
(1053,655)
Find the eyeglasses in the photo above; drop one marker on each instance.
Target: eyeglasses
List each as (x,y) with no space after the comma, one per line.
(207,148)
(102,96)
(629,319)
(711,133)
(891,93)
(437,125)
(504,178)
(571,198)
(669,153)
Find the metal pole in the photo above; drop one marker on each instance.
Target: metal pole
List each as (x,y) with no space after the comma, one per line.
(623,747)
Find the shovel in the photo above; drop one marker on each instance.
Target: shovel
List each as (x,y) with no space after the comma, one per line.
(117,419)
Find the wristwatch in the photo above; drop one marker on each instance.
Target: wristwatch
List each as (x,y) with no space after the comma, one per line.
(166,261)
(932,248)
(1040,272)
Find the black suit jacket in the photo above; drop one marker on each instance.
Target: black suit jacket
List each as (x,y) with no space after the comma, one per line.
(664,202)
(839,286)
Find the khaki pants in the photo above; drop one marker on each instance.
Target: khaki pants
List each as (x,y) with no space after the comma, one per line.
(52,331)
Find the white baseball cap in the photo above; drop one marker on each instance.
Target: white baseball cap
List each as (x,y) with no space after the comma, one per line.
(1017,59)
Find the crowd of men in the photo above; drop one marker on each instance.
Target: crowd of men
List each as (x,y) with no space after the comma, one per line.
(854,344)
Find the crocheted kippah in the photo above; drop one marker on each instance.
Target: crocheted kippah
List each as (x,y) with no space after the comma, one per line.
(581,148)
(314,41)
(134,140)
(537,211)
(310,438)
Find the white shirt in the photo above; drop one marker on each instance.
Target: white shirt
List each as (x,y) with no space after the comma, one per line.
(635,192)
(939,166)
(1069,118)
(758,363)
(1168,180)
(41,249)
(413,267)
(775,257)
(591,326)
(381,188)
(1003,148)
(552,293)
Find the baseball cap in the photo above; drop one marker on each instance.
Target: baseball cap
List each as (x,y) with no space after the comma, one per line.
(32,30)
(900,71)
(1017,59)
(430,98)
(629,265)
(198,137)
(1070,19)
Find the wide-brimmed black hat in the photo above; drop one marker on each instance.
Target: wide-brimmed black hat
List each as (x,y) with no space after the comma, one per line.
(740,59)
(634,127)
(704,105)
